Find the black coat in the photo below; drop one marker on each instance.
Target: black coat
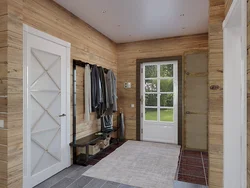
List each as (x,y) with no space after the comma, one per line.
(104,103)
(95,88)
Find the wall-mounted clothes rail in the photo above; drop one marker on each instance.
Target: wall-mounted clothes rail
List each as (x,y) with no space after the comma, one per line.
(82,64)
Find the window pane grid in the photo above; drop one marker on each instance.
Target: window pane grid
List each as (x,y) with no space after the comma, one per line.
(156,85)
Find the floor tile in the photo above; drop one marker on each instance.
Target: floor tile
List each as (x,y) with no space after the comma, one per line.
(205,163)
(206,171)
(191,161)
(63,183)
(125,186)
(179,184)
(93,161)
(192,179)
(110,184)
(81,182)
(191,170)
(78,172)
(95,183)
(109,150)
(57,177)
(101,156)
(187,153)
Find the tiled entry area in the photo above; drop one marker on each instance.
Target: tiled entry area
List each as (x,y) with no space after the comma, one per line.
(72,178)
(193,167)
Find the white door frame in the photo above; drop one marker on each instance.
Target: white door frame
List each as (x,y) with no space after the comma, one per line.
(235,141)
(142,104)
(29,30)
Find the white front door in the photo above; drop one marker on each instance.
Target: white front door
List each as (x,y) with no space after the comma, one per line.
(159,107)
(47,111)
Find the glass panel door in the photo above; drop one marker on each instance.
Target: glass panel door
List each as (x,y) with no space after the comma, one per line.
(159,90)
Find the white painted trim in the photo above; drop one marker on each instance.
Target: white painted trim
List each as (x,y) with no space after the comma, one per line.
(230,12)
(68,103)
(26,153)
(44,35)
(239,9)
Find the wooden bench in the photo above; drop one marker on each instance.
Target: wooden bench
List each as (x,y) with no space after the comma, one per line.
(83,159)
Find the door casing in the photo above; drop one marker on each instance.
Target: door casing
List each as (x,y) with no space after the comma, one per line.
(29,30)
(180,94)
(235,96)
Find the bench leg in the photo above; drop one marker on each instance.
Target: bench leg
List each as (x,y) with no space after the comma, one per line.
(87,153)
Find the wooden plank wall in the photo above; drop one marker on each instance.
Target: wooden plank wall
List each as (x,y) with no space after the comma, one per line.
(87,44)
(248,94)
(3,93)
(196,100)
(128,53)
(215,93)
(227,5)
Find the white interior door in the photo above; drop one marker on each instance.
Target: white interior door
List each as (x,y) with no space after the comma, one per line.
(47,150)
(159,108)
(235,96)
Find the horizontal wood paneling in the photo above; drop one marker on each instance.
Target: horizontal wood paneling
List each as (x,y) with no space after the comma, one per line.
(248,95)
(3,94)
(215,96)
(128,53)
(196,100)
(87,44)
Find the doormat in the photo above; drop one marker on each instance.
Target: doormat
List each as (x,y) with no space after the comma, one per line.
(140,164)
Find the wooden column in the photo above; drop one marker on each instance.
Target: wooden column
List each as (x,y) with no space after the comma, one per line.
(248,94)
(215,94)
(3,94)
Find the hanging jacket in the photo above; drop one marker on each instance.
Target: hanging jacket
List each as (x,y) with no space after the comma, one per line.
(112,92)
(95,88)
(101,109)
(87,88)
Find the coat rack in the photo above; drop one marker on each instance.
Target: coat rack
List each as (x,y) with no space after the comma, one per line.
(80,64)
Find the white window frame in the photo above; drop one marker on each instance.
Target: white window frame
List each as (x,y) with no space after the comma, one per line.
(158,93)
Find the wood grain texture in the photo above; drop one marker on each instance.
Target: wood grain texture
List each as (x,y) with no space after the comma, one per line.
(215,94)
(196,100)
(228,4)
(3,95)
(87,44)
(248,95)
(128,53)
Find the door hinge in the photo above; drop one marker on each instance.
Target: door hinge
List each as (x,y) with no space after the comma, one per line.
(141,114)
(141,131)
(141,70)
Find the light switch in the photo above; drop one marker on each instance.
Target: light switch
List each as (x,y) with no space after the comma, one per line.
(127,85)
(132,105)
(1,123)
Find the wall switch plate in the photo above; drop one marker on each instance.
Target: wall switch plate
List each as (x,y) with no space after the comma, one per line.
(127,85)
(1,123)
(132,105)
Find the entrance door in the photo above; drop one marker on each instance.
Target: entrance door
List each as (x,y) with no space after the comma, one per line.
(47,109)
(159,107)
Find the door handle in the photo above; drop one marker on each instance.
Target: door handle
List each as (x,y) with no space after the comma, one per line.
(62,115)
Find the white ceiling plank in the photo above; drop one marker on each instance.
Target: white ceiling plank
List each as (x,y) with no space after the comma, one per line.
(135,20)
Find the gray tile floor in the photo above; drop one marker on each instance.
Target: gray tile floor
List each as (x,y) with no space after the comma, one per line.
(72,178)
